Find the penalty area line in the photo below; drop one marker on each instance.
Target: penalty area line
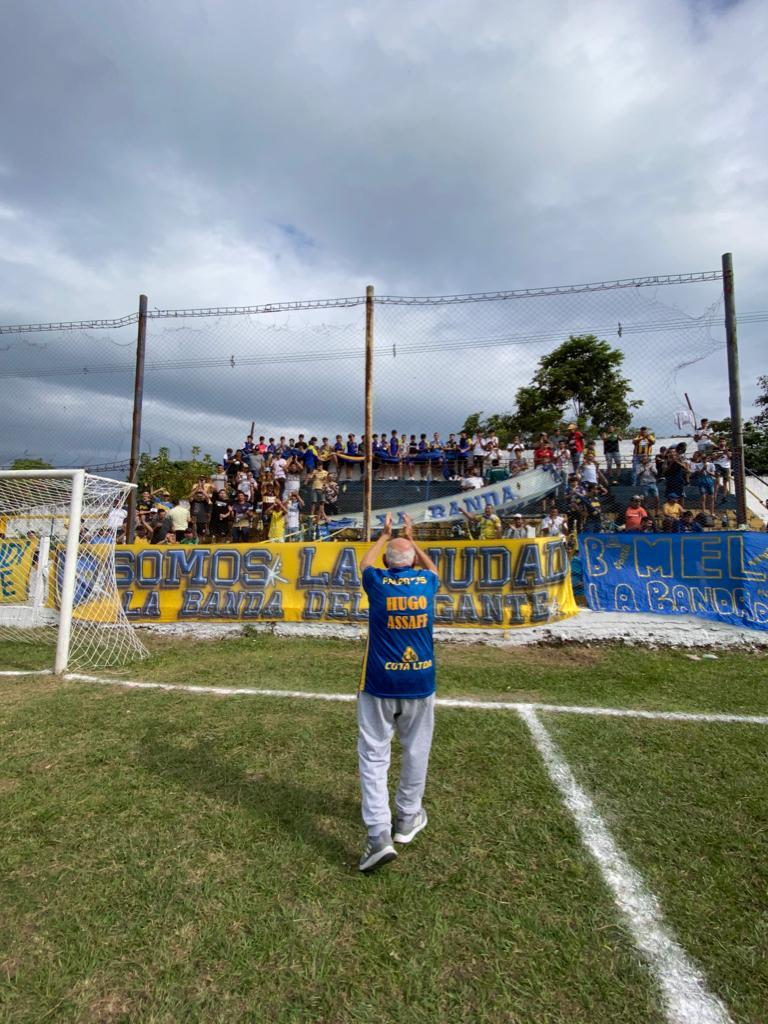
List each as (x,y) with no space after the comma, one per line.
(682,985)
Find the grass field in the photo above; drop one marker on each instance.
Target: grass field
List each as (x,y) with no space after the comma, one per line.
(170,856)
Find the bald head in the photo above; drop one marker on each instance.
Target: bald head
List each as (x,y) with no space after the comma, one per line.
(399,553)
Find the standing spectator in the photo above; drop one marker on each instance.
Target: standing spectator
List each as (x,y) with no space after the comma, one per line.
(234,466)
(162,498)
(575,441)
(396,468)
(221,517)
(478,452)
(189,537)
(162,527)
(250,487)
(518,463)
(268,494)
(392,700)
(542,451)
(423,456)
(278,467)
(293,508)
(450,457)
(592,519)
(562,460)
(316,483)
(249,451)
(293,473)
(517,530)
(646,479)
(721,457)
(642,444)
(413,451)
(464,448)
(635,515)
(437,450)
(325,454)
(277,521)
(116,517)
(331,497)
(311,458)
(590,473)
(488,524)
(705,481)
(660,461)
(705,436)
(179,517)
(675,471)
(200,509)
(219,480)
(553,524)
(612,452)
(352,452)
(144,509)
(242,517)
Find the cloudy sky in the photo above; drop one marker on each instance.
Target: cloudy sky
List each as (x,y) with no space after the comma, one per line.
(235,152)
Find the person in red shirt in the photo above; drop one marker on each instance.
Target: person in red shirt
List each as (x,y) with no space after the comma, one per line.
(635,515)
(542,453)
(575,440)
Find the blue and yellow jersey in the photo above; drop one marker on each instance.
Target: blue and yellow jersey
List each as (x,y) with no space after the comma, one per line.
(399,659)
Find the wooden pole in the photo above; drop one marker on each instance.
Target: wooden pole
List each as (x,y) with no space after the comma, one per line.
(368,479)
(138,399)
(734,393)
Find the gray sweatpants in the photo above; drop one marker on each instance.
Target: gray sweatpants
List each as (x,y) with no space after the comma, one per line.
(378,719)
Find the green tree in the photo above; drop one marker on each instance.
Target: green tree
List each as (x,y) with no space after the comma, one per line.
(761,420)
(30,464)
(177,475)
(473,423)
(581,379)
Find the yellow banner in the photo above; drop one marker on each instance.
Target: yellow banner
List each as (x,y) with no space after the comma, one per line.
(16,561)
(483,584)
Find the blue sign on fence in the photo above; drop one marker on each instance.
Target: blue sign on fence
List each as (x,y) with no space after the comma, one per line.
(722,576)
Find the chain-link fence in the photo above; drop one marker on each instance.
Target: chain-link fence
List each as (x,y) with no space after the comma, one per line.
(292,372)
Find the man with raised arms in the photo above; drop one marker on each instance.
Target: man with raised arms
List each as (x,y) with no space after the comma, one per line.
(397,689)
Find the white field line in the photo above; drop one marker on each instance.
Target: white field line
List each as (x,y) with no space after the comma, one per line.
(28,672)
(445,702)
(682,985)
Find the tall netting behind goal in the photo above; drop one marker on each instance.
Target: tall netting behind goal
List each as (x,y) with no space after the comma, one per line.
(57,567)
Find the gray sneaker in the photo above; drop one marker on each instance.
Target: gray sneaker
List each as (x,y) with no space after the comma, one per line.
(378,850)
(406,826)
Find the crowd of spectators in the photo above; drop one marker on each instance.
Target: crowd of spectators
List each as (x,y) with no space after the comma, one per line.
(255,492)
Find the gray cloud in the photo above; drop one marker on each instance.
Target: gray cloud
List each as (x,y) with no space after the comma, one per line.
(238,153)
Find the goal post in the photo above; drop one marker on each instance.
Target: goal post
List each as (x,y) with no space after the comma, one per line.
(57,566)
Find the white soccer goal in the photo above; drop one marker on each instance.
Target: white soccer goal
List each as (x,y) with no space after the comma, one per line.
(57,566)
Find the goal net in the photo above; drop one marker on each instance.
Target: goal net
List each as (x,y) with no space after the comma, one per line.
(57,567)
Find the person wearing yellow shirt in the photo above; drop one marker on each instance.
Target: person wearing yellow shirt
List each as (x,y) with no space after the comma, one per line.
(672,509)
(642,444)
(277,523)
(489,524)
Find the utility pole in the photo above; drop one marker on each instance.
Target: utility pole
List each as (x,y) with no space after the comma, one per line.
(368,467)
(734,393)
(138,398)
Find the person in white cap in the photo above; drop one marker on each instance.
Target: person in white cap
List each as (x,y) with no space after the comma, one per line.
(518,530)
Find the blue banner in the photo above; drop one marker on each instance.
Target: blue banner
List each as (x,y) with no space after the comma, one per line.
(720,576)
